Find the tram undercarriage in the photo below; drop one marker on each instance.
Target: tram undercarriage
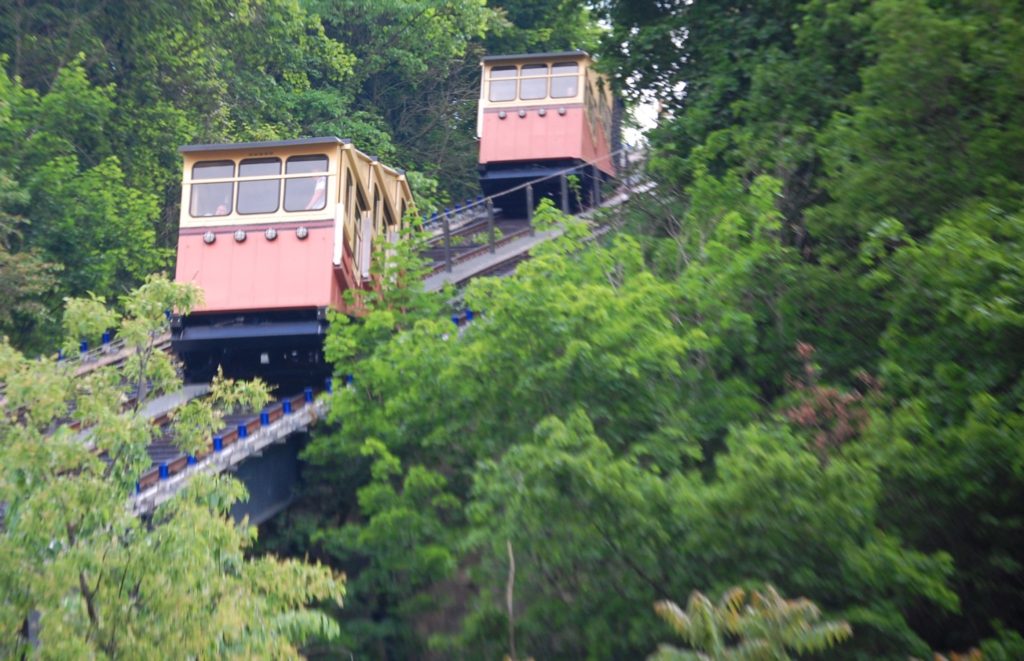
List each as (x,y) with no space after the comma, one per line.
(507,183)
(281,347)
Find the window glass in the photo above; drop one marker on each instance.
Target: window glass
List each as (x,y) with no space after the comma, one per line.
(305,193)
(213,170)
(502,86)
(212,199)
(349,197)
(376,210)
(259,196)
(533,88)
(259,167)
(302,164)
(563,80)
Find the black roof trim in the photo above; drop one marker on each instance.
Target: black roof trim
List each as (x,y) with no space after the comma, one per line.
(533,56)
(271,144)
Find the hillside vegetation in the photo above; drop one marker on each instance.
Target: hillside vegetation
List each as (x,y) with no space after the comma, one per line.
(793,370)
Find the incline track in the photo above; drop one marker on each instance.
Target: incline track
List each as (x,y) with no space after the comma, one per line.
(113,353)
(244,435)
(506,231)
(106,355)
(459,227)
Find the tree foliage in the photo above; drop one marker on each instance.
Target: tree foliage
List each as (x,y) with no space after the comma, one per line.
(894,131)
(766,627)
(605,422)
(81,575)
(793,365)
(796,362)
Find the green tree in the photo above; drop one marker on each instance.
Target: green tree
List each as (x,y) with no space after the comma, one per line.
(25,277)
(765,627)
(415,82)
(531,26)
(175,74)
(953,367)
(71,216)
(933,124)
(605,422)
(102,581)
(101,230)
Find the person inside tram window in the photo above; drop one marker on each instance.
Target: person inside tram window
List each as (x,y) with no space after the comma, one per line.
(211,200)
(316,201)
(223,201)
(214,198)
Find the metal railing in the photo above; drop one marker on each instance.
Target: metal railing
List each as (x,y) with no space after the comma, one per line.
(248,437)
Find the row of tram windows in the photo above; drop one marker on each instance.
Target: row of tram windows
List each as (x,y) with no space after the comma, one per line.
(258,186)
(531,82)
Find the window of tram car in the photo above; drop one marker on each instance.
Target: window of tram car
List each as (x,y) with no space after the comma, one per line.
(502,86)
(376,210)
(349,199)
(533,82)
(564,78)
(305,193)
(356,207)
(263,195)
(213,199)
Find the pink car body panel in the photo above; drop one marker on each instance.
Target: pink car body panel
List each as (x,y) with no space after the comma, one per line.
(258,274)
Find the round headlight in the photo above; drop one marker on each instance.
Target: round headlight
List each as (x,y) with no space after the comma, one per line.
(502,114)
(561,110)
(271,234)
(542,111)
(301,232)
(522,113)
(209,238)
(239,235)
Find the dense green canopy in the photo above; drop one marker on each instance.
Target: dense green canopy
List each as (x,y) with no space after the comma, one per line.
(793,367)
(81,575)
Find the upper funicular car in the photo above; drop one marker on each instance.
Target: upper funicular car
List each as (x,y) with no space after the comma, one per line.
(541,115)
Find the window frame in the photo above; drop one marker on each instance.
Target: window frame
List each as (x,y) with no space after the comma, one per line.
(513,80)
(543,79)
(194,187)
(240,180)
(568,74)
(316,174)
(574,75)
